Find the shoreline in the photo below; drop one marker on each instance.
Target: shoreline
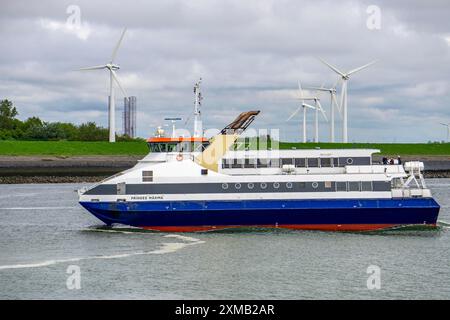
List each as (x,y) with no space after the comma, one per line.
(91,169)
(95,179)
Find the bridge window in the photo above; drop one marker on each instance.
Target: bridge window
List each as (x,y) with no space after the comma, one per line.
(341,186)
(263,163)
(335,162)
(287,161)
(237,163)
(313,162)
(249,163)
(147,176)
(226,163)
(180,147)
(325,162)
(300,162)
(121,188)
(274,163)
(162,147)
(366,186)
(353,186)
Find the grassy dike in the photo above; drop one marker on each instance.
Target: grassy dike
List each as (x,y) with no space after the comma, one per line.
(72,148)
(103,148)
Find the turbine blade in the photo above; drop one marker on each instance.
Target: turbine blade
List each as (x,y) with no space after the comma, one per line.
(322,111)
(318,94)
(360,68)
(336,83)
(92,68)
(300,86)
(318,88)
(300,90)
(117,81)
(308,106)
(332,67)
(293,114)
(114,53)
(335,102)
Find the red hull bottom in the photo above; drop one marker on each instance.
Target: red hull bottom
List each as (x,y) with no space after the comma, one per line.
(318,227)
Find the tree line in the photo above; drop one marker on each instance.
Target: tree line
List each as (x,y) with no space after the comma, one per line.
(34,128)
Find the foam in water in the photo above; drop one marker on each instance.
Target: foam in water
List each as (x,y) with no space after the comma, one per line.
(165,248)
(184,238)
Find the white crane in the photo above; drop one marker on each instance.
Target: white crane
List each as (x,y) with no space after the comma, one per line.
(345,77)
(333,105)
(448,130)
(317,107)
(112,77)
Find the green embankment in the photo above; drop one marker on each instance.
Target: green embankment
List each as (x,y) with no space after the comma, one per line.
(82,148)
(71,148)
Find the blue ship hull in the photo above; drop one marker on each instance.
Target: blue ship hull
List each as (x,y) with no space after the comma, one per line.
(330,214)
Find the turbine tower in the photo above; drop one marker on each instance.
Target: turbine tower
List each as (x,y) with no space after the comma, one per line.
(317,107)
(448,130)
(345,77)
(333,104)
(112,78)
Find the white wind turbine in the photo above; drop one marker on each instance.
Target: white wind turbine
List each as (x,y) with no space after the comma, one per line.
(333,104)
(317,107)
(448,130)
(345,77)
(112,77)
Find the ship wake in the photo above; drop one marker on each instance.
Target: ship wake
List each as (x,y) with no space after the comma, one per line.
(165,247)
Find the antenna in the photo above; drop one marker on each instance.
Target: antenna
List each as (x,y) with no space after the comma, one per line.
(198,130)
(173,120)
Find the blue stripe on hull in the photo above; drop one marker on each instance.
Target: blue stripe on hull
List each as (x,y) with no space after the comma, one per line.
(267,212)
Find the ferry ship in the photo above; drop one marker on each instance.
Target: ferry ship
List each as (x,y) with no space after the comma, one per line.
(190,184)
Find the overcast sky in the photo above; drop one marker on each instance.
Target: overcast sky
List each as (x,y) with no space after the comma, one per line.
(250,55)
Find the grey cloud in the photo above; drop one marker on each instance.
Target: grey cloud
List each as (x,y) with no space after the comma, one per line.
(250,54)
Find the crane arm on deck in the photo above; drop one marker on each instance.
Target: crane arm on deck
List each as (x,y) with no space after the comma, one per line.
(221,143)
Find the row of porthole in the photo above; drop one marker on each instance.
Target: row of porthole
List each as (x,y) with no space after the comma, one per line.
(263,185)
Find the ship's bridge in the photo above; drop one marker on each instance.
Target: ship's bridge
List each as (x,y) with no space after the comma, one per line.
(177,144)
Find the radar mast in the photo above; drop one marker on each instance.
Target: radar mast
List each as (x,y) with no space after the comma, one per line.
(198,129)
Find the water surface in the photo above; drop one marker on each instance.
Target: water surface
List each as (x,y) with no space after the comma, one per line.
(43,231)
